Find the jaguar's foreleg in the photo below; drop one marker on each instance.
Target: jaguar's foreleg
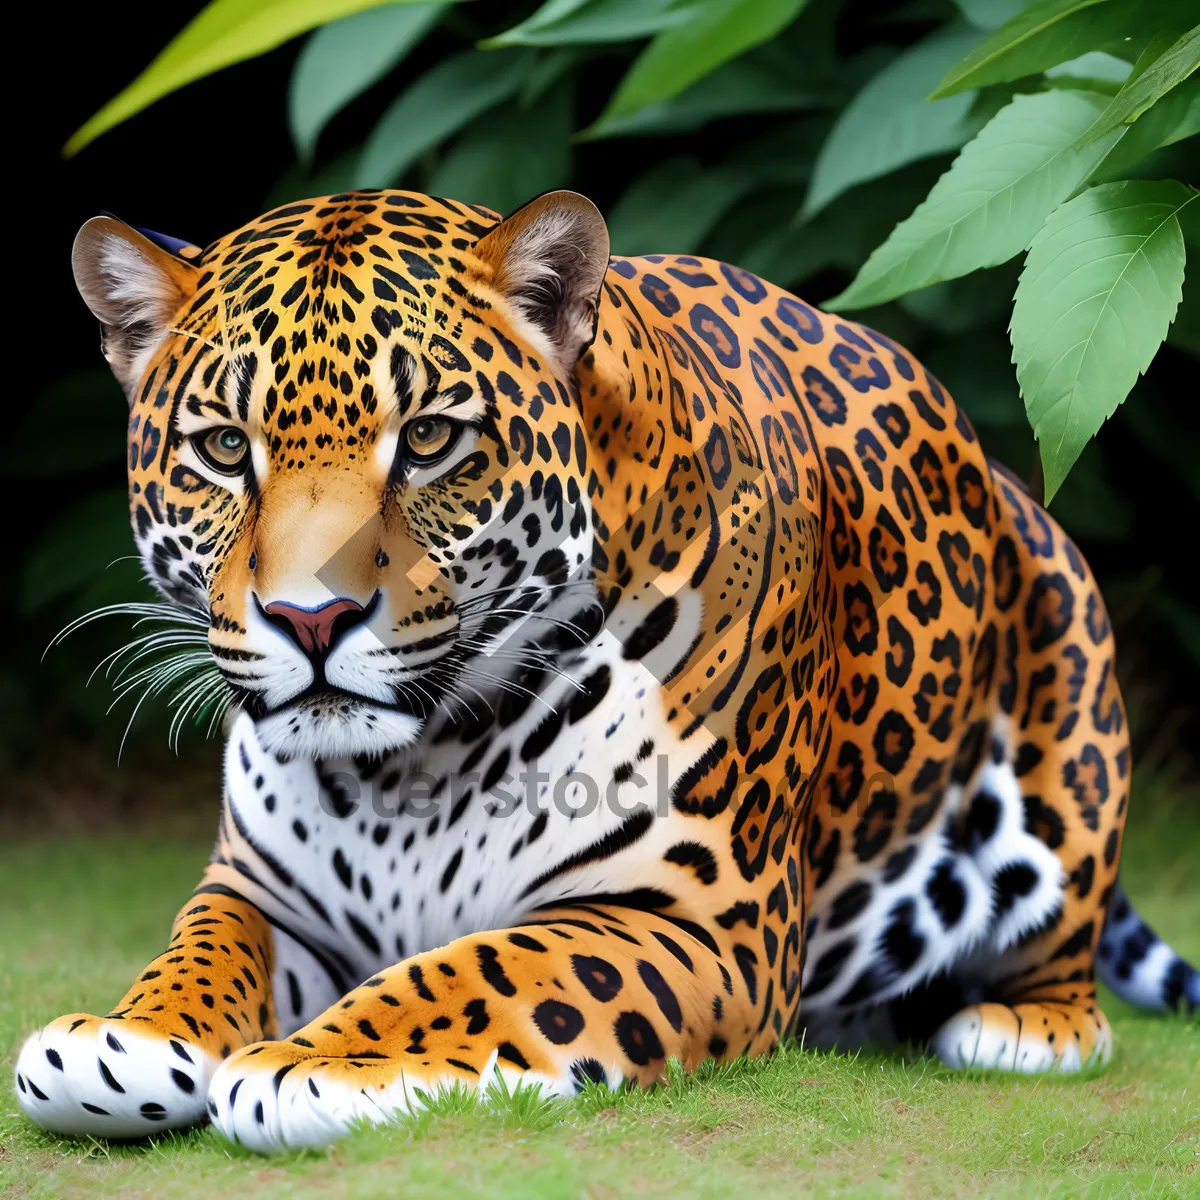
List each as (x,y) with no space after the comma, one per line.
(147,1064)
(602,993)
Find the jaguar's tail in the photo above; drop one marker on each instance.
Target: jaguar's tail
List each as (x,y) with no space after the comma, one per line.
(1139,966)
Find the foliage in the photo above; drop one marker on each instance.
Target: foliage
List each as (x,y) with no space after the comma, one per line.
(1101,284)
(1034,154)
(227,31)
(913,158)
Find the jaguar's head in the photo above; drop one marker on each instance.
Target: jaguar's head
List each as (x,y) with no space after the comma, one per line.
(356,446)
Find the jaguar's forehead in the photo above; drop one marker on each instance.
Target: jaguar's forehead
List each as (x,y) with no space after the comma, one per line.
(305,313)
(340,230)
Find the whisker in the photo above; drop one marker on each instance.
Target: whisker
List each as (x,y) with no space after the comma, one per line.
(157,646)
(509,686)
(220,709)
(183,616)
(173,658)
(471,602)
(201,692)
(145,645)
(570,626)
(524,658)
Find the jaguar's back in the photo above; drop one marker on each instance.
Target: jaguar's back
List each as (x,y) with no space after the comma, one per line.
(962,829)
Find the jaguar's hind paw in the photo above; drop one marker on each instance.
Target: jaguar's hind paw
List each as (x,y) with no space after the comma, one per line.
(1029,1038)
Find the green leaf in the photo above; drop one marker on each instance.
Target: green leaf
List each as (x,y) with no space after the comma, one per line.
(1095,71)
(890,123)
(715,32)
(1175,117)
(1043,34)
(1154,42)
(582,22)
(76,549)
(750,84)
(344,58)
(440,103)
(991,201)
(1166,72)
(1101,285)
(552,13)
(224,33)
(673,206)
(511,153)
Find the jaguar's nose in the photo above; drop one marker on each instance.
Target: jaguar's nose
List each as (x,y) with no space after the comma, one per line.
(317,630)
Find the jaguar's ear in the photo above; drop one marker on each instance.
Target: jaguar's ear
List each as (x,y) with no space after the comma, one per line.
(548,259)
(134,288)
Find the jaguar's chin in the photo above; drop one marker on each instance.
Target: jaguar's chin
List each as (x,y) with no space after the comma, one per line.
(335,726)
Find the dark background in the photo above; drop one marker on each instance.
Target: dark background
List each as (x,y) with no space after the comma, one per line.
(210,157)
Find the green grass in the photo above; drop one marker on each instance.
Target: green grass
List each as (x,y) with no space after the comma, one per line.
(79,917)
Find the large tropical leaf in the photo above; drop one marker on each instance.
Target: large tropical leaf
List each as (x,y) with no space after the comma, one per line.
(1166,72)
(580,22)
(715,32)
(749,84)
(1101,285)
(993,199)
(344,58)
(1175,117)
(226,32)
(890,122)
(1039,36)
(1095,71)
(445,99)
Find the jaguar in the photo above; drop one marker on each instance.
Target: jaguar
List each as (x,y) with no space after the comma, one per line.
(629,662)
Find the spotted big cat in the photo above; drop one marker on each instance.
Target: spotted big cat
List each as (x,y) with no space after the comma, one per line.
(626,661)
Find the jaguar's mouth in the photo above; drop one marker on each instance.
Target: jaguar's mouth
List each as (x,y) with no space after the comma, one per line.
(325,702)
(331,723)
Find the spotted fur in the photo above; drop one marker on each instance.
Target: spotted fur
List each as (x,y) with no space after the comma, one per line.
(713,686)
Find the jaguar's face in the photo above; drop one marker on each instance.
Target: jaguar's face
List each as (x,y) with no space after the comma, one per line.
(355,445)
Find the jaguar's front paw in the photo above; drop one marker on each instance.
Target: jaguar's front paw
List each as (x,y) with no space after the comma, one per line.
(111,1078)
(278,1095)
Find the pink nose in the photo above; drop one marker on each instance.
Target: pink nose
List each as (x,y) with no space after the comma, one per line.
(316,630)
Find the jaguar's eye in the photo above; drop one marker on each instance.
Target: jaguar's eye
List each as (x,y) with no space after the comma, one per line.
(225,449)
(430,437)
